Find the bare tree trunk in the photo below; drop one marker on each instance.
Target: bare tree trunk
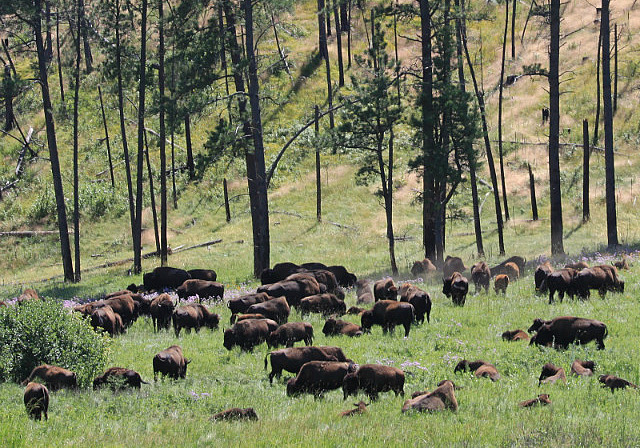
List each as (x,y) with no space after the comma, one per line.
(164,250)
(349,36)
(88,59)
(76,180)
(152,195)
(598,96)
(318,179)
(60,78)
(513,30)
(532,190)
(187,132)
(8,99)
(48,51)
(586,214)
(106,136)
(339,43)
(504,48)
(344,15)
(325,55)
(615,68)
(227,209)
(283,57)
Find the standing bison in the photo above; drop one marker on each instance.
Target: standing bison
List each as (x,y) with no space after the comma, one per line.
(317,377)
(170,362)
(373,379)
(385,289)
(164,277)
(292,359)
(119,378)
(421,301)
(388,314)
(275,309)
(54,377)
(161,311)
(326,304)
(204,289)
(562,331)
(481,276)
(194,315)
(248,333)
(290,333)
(456,287)
(36,400)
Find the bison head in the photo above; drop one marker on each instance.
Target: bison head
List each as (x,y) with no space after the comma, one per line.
(329,326)
(350,384)
(543,337)
(537,323)
(462,366)
(212,321)
(446,286)
(292,387)
(229,339)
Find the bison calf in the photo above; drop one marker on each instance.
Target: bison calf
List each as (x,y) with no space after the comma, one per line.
(361,408)
(501,283)
(542,399)
(551,373)
(236,414)
(614,382)
(36,400)
(583,368)
(440,399)
(515,335)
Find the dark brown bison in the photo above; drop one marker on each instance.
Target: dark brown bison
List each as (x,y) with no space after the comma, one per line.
(388,314)
(364,293)
(479,368)
(562,331)
(326,304)
(345,278)
(602,278)
(583,368)
(560,281)
(537,323)
(614,382)
(323,277)
(551,374)
(54,377)
(106,319)
(541,273)
(290,333)
(164,277)
(335,327)
(443,397)
(481,276)
(451,265)
(276,309)
(501,268)
(578,266)
(204,289)
(118,378)
(361,408)
(515,335)
(317,377)
(194,315)
(170,362)
(385,289)
(456,287)
(236,414)
(373,379)
(36,400)
(293,290)
(203,274)
(422,267)
(248,333)
(421,301)
(123,305)
(501,283)
(279,272)
(292,359)
(241,304)
(161,309)
(356,310)
(238,317)
(542,399)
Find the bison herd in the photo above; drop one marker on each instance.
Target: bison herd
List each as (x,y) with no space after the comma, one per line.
(263,317)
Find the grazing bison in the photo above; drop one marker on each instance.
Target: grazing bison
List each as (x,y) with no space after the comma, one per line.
(293,290)
(236,414)
(451,265)
(290,333)
(340,327)
(161,311)
(502,269)
(551,373)
(422,267)
(36,400)
(317,377)
(123,305)
(238,317)
(481,276)
(443,397)
(275,309)
(241,304)
(361,408)
(560,281)
(323,277)
(501,283)
(614,382)
(515,335)
(385,289)
(578,266)
(537,323)
(364,293)
(542,399)
(583,368)
(542,271)
(203,274)
(106,319)
(292,359)
(562,331)
(480,369)
(388,314)
(326,304)
(54,377)
(279,272)
(421,301)
(345,278)
(164,277)
(373,379)
(602,278)
(119,378)
(194,315)
(204,289)
(248,333)
(170,362)
(456,287)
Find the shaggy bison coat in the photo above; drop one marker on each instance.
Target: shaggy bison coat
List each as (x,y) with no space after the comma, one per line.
(443,397)
(275,309)
(279,272)
(512,271)
(451,265)
(290,333)
(602,278)
(119,378)
(481,276)
(170,362)
(385,289)
(36,400)
(422,267)
(583,368)
(238,317)
(106,319)
(161,310)
(326,304)
(203,274)
(578,266)
(241,304)
(373,379)
(388,314)
(421,301)
(456,287)
(551,374)
(345,278)
(562,331)
(515,335)
(54,377)
(204,289)
(542,399)
(236,414)
(194,315)
(317,377)
(501,268)
(560,281)
(293,290)
(164,277)
(335,327)
(248,333)
(360,408)
(614,382)
(541,273)
(501,283)
(292,359)
(123,305)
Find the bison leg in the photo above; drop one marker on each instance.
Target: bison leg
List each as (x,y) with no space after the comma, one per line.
(407,328)
(551,296)
(177,330)
(561,295)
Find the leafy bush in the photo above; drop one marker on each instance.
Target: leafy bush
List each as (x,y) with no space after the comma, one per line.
(45,332)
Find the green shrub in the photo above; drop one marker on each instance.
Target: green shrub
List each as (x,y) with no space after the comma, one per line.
(46,332)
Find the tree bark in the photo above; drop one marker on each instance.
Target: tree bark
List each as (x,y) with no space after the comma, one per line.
(513,30)
(387,192)
(164,251)
(586,213)
(76,180)
(60,78)
(615,68)
(48,51)
(598,96)
(227,209)
(318,178)
(322,31)
(504,48)
(349,36)
(8,99)
(187,132)
(152,196)
(88,58)
(532,190)
(339,44)
(106,136)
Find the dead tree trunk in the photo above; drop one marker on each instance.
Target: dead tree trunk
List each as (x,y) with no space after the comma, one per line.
(500,152)
(586,214)
(227,209)
(336,15)
(597,120)
(76,180)
(60,79)
(513,30)
(187,132)
(318,178)
(106,137)
(164,250)
(8,99)
(615,68)
(324,52)
(84,26)
(532,189)
(152,195)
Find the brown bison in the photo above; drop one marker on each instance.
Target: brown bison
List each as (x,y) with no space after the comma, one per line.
(456,287)
(248,333)
(54,377)
(194,315)
(119,378)
(236,414)
(421,301)
(279,272)
(622,264)
(123,305)
(106,319)
(238,317)
(241,304)
(551,374)
(479,368)
(515,335)
(164,277)
(27,294)
(203,274)
(334,327)
(317,377)
(373,379)
(502,269)
(361,408)
(501,283)
(36,400)
(364,293)
(583,368)
(388,314)
(356,310)
(422,267)
(614,382)
(481,276)
(204,289)
(275,309)
(542,399)
(602,278)
(323,277)
(541,273)
(161,309)
(512,271)
(345,278)
(292,359)
(290,333)
(170,362)
(451,265)
(578,266)
(385,289)
(326,304)
(562,331)
(443,397)
(560,281)
(293,290)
